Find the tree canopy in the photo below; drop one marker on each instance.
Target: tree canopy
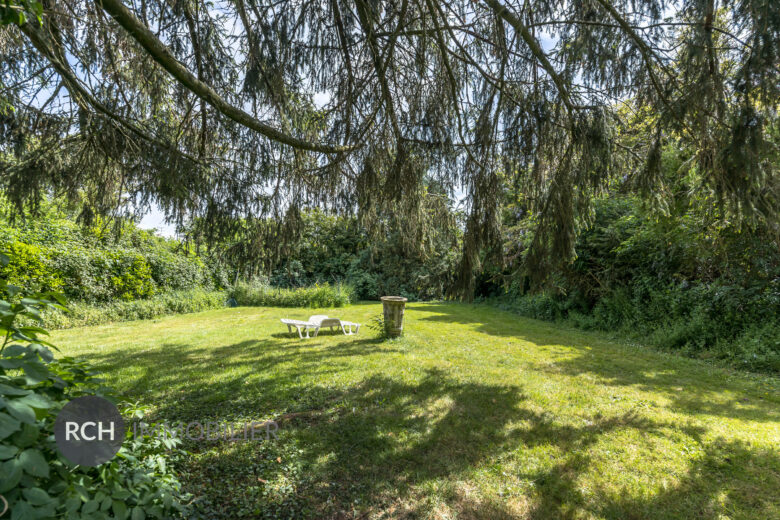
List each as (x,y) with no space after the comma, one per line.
(225,113)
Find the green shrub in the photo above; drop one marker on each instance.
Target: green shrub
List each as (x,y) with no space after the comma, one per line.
(130,275)
(176,272)
(367,286)
(175,302)
(255,294)
(582,321)
(83,271)
(35,480)
(539,306)
(30,268)
(757,348)
(738,325)
(52,252)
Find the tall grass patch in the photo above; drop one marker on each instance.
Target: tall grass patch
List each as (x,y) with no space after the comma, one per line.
(263,295)
(174,302)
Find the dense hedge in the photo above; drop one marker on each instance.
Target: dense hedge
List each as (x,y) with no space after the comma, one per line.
(723,323)
(258,294)
(196,300)
(175,302)
(678,282)
(53,253)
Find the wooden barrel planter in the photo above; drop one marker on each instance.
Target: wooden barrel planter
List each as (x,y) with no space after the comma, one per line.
(393,307)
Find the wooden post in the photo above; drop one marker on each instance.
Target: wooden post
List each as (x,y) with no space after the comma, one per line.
(393,307)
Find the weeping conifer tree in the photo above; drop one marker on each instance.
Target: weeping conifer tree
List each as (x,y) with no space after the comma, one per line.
(234,115)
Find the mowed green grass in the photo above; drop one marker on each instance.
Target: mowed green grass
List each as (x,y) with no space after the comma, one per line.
(475,413)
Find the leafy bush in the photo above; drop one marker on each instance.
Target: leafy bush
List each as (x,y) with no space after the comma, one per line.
(130,275)
(82,270)
(757,348)
(418,264)
(31,268)
(35,480)
(256,294)
(686,281)
(174,302)
(736,324)
(540,306)
(51,252)
(176,272)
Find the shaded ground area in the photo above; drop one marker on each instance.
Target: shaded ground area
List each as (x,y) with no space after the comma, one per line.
(475,413)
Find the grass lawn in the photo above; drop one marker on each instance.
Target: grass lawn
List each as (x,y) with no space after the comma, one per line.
(475,413)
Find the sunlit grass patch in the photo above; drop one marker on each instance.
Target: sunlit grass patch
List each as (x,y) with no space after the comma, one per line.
(474,413)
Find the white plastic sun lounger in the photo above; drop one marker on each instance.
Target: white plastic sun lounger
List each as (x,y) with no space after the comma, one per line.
(319,321)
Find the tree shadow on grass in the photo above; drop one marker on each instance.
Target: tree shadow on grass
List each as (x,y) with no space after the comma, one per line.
(374,443)
(692,387)
(416,446)
(177,379)
(693,390)
(725,480)
(414,449)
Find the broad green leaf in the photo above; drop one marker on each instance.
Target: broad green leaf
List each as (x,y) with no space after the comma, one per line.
(59,486)
(72,504)
(10,475)
(8,425)
(138,514)
(58,297)
(32,313)
(20,411)
(33,330)
(27,436)
(90,507)
(10,364)
(15,350)
(6,451)
(12,390)
(36,496)
(23,511)
(46,354)
(36,401)
(121,494)
(34,463)
(21,336)
(119,508)
(35,372)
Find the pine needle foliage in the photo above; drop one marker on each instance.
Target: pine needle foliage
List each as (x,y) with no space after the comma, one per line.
(208,109)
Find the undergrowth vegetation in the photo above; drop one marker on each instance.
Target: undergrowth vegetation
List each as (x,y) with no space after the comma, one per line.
(685,282)
(35,480)
(174,302)
(96,264)
(683,277)
(260,294)
(387,259)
